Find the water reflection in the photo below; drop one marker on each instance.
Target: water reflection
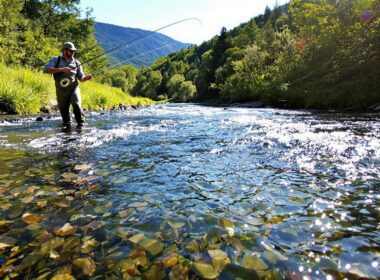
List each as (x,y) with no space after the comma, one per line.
(284,193)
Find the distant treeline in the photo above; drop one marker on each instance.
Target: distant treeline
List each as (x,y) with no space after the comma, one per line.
(306,54)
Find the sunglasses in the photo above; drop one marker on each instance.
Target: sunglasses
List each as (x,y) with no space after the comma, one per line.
(70,51)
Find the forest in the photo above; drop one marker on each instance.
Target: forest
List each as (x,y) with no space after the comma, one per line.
(317,54)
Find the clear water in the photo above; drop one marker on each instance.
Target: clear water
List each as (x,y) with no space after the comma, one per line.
(297,190)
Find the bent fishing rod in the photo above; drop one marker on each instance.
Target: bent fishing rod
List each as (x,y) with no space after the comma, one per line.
(66,81)
(139,39)
(132,57)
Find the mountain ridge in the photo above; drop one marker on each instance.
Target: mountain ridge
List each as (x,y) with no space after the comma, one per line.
(145,47)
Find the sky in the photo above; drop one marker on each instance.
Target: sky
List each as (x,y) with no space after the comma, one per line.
(153,14)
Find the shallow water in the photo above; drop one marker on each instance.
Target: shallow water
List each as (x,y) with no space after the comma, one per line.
(215,192)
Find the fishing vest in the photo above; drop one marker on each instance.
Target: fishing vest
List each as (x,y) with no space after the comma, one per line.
(65,80)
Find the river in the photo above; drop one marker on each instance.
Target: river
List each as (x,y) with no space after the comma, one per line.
(177,191)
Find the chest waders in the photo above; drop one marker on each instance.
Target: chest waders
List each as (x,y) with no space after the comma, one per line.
(68,92)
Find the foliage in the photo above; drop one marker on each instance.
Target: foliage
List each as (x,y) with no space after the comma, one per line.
(148,84)
(32,31)
(179,89)
(124,77)
(96,96)
(24,91)
(174,84)
(309,53)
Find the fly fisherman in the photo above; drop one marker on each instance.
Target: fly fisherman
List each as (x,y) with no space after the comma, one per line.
(67,71)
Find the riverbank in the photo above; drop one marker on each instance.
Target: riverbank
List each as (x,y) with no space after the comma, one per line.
(284,104)
(28,92)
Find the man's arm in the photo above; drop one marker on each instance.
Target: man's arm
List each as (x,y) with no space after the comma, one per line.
(86,78)
(53,70)
(82,77)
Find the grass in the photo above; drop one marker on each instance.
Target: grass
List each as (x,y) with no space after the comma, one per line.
(96,96)
(25,91)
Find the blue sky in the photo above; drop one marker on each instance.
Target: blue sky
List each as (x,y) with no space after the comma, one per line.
(153,14)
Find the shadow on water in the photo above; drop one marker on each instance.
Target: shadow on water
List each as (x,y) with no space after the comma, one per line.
(188,191)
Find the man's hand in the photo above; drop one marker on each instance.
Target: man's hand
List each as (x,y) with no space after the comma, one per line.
(66,69)
(86,78)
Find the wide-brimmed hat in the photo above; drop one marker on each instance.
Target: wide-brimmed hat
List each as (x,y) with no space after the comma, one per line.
(70,46)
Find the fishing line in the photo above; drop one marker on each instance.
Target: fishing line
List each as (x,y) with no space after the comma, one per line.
(126,44)
(65,81)
(139,39)
(132,57)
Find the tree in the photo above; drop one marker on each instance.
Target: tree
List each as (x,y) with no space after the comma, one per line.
(147,84)
(174,85)
(31,31)
(130,74)
(247,35)
(10,25)
(251,77)
(187,91)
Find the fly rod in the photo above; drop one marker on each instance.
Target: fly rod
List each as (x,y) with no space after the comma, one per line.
(66,81)
(138,39)
(132,57)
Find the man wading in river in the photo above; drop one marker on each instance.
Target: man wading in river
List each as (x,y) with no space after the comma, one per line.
(67,71)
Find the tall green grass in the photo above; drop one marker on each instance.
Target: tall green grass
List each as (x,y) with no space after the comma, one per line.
(23,91)
(26,91)
(96,96)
